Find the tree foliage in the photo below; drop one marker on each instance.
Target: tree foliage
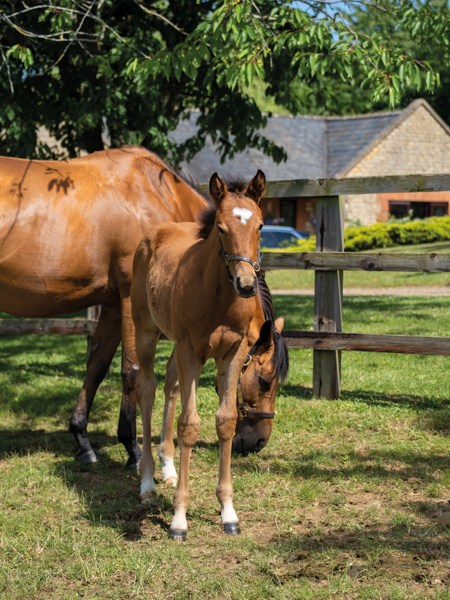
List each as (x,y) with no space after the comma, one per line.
(135,66)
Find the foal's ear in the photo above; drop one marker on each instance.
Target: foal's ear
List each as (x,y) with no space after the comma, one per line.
(217,189)
(256,187)
(265,334)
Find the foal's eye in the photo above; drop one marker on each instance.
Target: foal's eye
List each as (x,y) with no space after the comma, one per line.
(221,231)
(260,227)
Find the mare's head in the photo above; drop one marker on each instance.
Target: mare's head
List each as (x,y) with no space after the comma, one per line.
(238,224)
(268,367)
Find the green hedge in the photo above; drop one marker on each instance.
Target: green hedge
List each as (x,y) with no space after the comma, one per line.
(386,235)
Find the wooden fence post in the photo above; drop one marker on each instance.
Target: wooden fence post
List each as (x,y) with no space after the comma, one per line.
(93,313)
(328,296)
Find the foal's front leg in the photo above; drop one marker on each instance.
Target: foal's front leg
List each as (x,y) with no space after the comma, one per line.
(188,426)
(227,378)
(166,450)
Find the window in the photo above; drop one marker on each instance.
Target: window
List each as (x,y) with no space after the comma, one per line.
(420,210)
(288,210)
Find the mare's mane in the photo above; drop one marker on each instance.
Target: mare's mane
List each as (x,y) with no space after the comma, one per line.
(280,357)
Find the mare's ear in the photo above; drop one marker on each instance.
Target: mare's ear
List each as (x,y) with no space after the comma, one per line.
(256,187)
(279,324)
(265,334)
(217,189)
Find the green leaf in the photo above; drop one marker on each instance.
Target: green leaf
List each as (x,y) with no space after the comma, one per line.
(401,72)
(396,83)
(249,71)
(358,51)
(204,52)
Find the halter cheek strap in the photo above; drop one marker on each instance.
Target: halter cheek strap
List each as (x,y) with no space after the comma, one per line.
(242,410)
(229,257)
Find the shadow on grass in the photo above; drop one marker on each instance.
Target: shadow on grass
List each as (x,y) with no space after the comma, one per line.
(60,443)
(368,464)
(369,545)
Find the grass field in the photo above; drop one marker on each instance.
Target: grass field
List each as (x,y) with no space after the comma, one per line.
(290,279)
(349,500)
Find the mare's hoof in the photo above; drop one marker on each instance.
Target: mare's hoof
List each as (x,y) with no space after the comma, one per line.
(232,528)
(177,535)
(87,456)
(147,497)
(132,465)
(171,481)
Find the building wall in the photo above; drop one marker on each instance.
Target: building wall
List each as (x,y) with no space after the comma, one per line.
(419,144)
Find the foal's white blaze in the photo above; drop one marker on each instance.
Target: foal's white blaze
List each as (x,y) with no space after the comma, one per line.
(229,514)
(243,214)
(169,472)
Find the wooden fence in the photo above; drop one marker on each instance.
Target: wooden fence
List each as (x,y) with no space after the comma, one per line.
(329,261)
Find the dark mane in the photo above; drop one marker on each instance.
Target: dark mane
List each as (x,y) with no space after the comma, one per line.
(206,220)
(280,357)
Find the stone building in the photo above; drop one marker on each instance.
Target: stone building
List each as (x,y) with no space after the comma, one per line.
(413,140)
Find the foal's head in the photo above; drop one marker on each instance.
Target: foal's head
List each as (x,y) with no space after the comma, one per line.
(238,223)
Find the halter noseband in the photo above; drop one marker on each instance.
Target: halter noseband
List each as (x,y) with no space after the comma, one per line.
(242,410)
(229,257)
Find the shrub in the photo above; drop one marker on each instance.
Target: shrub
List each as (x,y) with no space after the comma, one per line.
(386,235)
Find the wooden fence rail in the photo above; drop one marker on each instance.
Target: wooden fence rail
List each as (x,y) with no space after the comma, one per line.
(329,262)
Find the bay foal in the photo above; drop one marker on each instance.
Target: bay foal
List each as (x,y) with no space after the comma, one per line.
(201,294)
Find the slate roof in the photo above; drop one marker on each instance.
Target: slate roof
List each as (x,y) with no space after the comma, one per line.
(316,146)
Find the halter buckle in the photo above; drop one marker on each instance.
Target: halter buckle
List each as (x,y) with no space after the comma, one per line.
(256,267)
(248,360)
(242,411)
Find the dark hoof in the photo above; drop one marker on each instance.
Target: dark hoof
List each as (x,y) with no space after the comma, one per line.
(232,529)
(132,465)
(177,535)
(87,456)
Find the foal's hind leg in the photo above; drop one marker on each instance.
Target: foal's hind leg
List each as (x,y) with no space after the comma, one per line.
(146,340)
(166,450)
(105,342)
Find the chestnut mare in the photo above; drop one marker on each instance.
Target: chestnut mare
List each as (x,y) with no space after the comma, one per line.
(68,233)
(181,287)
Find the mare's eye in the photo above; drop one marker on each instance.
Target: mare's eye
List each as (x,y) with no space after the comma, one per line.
(263,384)
(260,227)
(221,231)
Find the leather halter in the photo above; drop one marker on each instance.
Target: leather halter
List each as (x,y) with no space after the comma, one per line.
(229,257)
(242,410)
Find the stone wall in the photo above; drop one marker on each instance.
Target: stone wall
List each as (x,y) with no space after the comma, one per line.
(419,144)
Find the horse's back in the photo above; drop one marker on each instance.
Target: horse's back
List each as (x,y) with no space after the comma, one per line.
(69,229)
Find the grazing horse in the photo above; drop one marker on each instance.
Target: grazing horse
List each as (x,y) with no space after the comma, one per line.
(200,291)
(68,234)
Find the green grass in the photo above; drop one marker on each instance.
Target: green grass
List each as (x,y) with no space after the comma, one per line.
(349,500)
(293,279)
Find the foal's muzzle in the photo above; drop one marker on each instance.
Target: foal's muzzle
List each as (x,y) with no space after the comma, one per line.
(246,291)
